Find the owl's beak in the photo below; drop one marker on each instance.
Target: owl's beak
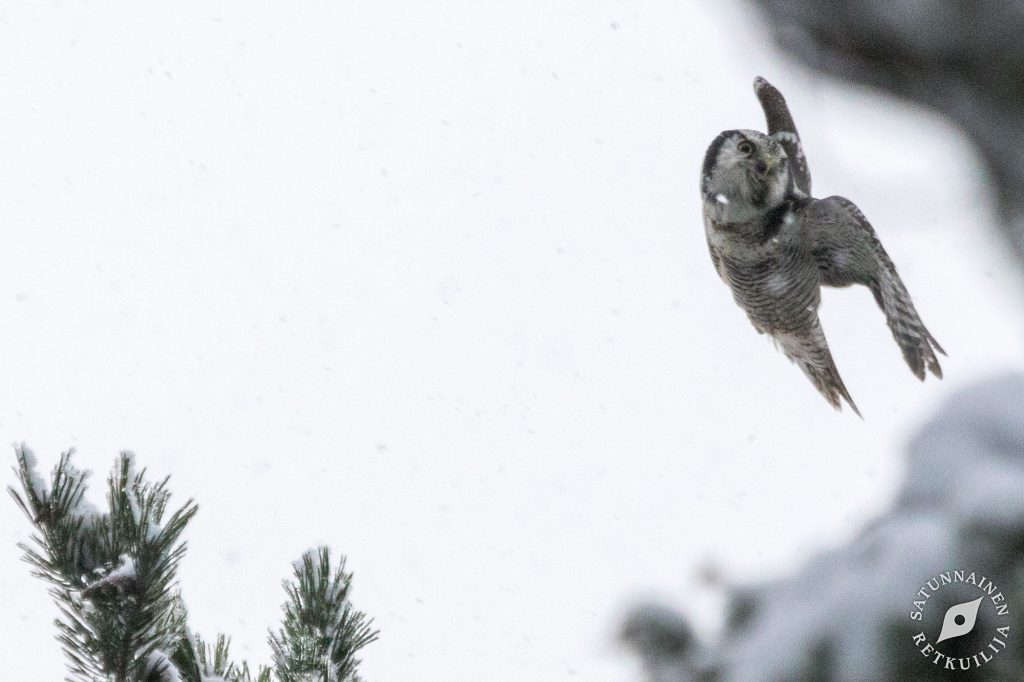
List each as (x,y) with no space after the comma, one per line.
(763,165)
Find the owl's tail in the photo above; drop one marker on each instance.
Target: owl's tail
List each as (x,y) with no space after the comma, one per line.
(810,353)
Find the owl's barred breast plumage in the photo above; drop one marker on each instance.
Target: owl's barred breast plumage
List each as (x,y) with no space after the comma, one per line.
(775,246)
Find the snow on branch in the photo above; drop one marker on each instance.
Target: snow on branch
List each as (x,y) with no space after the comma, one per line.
(113,576)
(321,632)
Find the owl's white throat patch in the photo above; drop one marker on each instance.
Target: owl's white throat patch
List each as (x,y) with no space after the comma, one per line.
(729,205)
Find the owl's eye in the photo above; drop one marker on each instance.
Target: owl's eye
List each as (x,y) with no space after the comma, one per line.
(745,148)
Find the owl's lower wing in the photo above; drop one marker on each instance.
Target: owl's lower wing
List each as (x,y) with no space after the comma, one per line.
(809,351)
(848,251)
(782,128)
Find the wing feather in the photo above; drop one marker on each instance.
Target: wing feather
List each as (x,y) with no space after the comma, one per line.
(782,128)
(848,251)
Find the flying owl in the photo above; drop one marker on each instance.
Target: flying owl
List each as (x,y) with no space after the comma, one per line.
(775,246)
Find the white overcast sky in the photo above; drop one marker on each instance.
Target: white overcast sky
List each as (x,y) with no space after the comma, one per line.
(427,283)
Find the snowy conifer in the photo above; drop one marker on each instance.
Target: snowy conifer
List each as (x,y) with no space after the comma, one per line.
(113,576)
(321,631)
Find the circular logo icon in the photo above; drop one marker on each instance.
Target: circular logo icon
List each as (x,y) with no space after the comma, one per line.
(961,620)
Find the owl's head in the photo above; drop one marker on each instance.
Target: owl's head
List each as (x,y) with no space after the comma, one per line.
(745,174)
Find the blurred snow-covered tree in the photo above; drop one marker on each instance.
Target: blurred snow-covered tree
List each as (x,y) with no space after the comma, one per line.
(113,576)
(845,615)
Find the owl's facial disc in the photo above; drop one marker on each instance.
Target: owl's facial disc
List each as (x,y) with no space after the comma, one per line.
(761,154)
(746,173)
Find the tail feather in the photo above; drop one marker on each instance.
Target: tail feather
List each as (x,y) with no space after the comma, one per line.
(811,354)
(828,382)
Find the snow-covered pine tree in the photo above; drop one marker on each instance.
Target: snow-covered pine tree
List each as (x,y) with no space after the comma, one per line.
(113,576)
(321,631)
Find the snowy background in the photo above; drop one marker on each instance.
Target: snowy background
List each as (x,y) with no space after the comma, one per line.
(428,284)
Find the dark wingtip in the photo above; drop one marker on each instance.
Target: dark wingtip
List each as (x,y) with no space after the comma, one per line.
(933,363)
(760,83)
(924,361)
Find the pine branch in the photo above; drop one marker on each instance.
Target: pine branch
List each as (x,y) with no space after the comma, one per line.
(112,574)
(122,618)
(321,631)
(264,674)
(203,662)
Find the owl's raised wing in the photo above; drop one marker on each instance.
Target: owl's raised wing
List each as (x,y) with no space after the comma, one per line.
(783,130)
